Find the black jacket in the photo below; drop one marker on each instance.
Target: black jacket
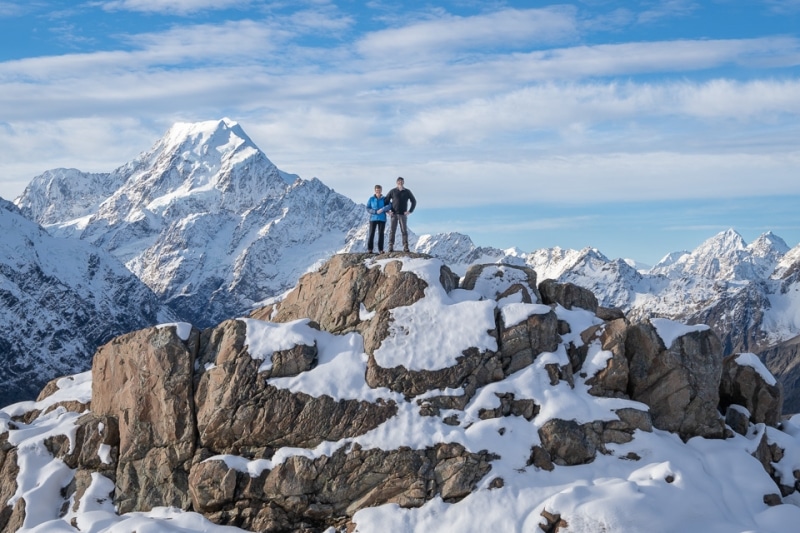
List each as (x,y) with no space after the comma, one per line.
(400,199)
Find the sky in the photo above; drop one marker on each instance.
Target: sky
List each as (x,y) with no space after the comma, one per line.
(638,128)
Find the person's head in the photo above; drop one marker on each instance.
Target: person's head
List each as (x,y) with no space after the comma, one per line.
(378,190)
(400,183)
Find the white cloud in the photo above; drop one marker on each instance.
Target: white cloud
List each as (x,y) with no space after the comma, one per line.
(667,9)
(571,178)
(554,106)
(784,7)
(504,29)
(11,9)
(172,6)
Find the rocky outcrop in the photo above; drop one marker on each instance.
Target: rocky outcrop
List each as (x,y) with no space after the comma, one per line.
(10,516)
(498,281)
(144,381)
(311,491)
(744,385)
(199,421)
(611,381)
(567,295)
(566,442)
(238,412)
(680,382)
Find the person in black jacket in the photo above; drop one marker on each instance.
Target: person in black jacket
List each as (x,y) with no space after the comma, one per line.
(400,197)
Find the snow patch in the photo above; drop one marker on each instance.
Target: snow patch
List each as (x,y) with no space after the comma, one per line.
(752,360)
(265,338)
(182,329)
(669,330)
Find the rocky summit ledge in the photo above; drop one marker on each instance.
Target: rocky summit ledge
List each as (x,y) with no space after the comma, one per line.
(384,379)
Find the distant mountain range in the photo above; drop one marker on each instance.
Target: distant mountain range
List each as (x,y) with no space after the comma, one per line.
(214,229)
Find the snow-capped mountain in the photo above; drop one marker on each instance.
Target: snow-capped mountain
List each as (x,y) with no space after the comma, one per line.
(727,256)
(60,300)
(214,228)
(203,218)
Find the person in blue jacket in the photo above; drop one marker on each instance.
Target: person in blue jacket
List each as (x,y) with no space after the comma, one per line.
(377,206)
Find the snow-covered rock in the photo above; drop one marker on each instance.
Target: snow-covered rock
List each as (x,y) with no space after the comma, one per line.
(416,413)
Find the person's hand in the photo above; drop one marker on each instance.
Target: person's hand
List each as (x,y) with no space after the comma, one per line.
(407,213)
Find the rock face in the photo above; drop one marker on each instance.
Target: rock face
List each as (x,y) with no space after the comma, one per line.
(144,381)
(744,385)
(680,382)
(211,421)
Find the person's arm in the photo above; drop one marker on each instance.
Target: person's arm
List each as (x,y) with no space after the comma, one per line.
(371,210)
(413,201)
(389,199)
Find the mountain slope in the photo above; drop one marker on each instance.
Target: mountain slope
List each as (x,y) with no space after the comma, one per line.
(60,300)
(203,218)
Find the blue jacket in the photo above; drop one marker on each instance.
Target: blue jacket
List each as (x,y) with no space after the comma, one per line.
(375,204)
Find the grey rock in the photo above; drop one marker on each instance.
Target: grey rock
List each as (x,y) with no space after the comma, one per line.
(679,383)
(568,295)
(743,385)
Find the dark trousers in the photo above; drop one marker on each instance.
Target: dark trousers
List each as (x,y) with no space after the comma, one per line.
(380,225)
(403,220)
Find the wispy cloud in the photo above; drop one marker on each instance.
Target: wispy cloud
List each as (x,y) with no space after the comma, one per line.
(172,6)
(784,7)
(507,28)
(554,106)
(667,9)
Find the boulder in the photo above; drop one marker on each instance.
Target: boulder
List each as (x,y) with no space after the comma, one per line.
(322,491)
(10,519)
(680,383)
(521,343)
(611,381)
(757,391)
(239,412)
(568,443)
(498,281)
(145,381)
(568,295)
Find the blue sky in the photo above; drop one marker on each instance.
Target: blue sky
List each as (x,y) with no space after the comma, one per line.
(638,127)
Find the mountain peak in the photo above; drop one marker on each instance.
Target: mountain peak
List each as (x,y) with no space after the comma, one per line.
(198,138)
(768,244)
(728,240)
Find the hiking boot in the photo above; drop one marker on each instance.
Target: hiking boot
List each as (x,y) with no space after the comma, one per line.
(391,249)
(405,249)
